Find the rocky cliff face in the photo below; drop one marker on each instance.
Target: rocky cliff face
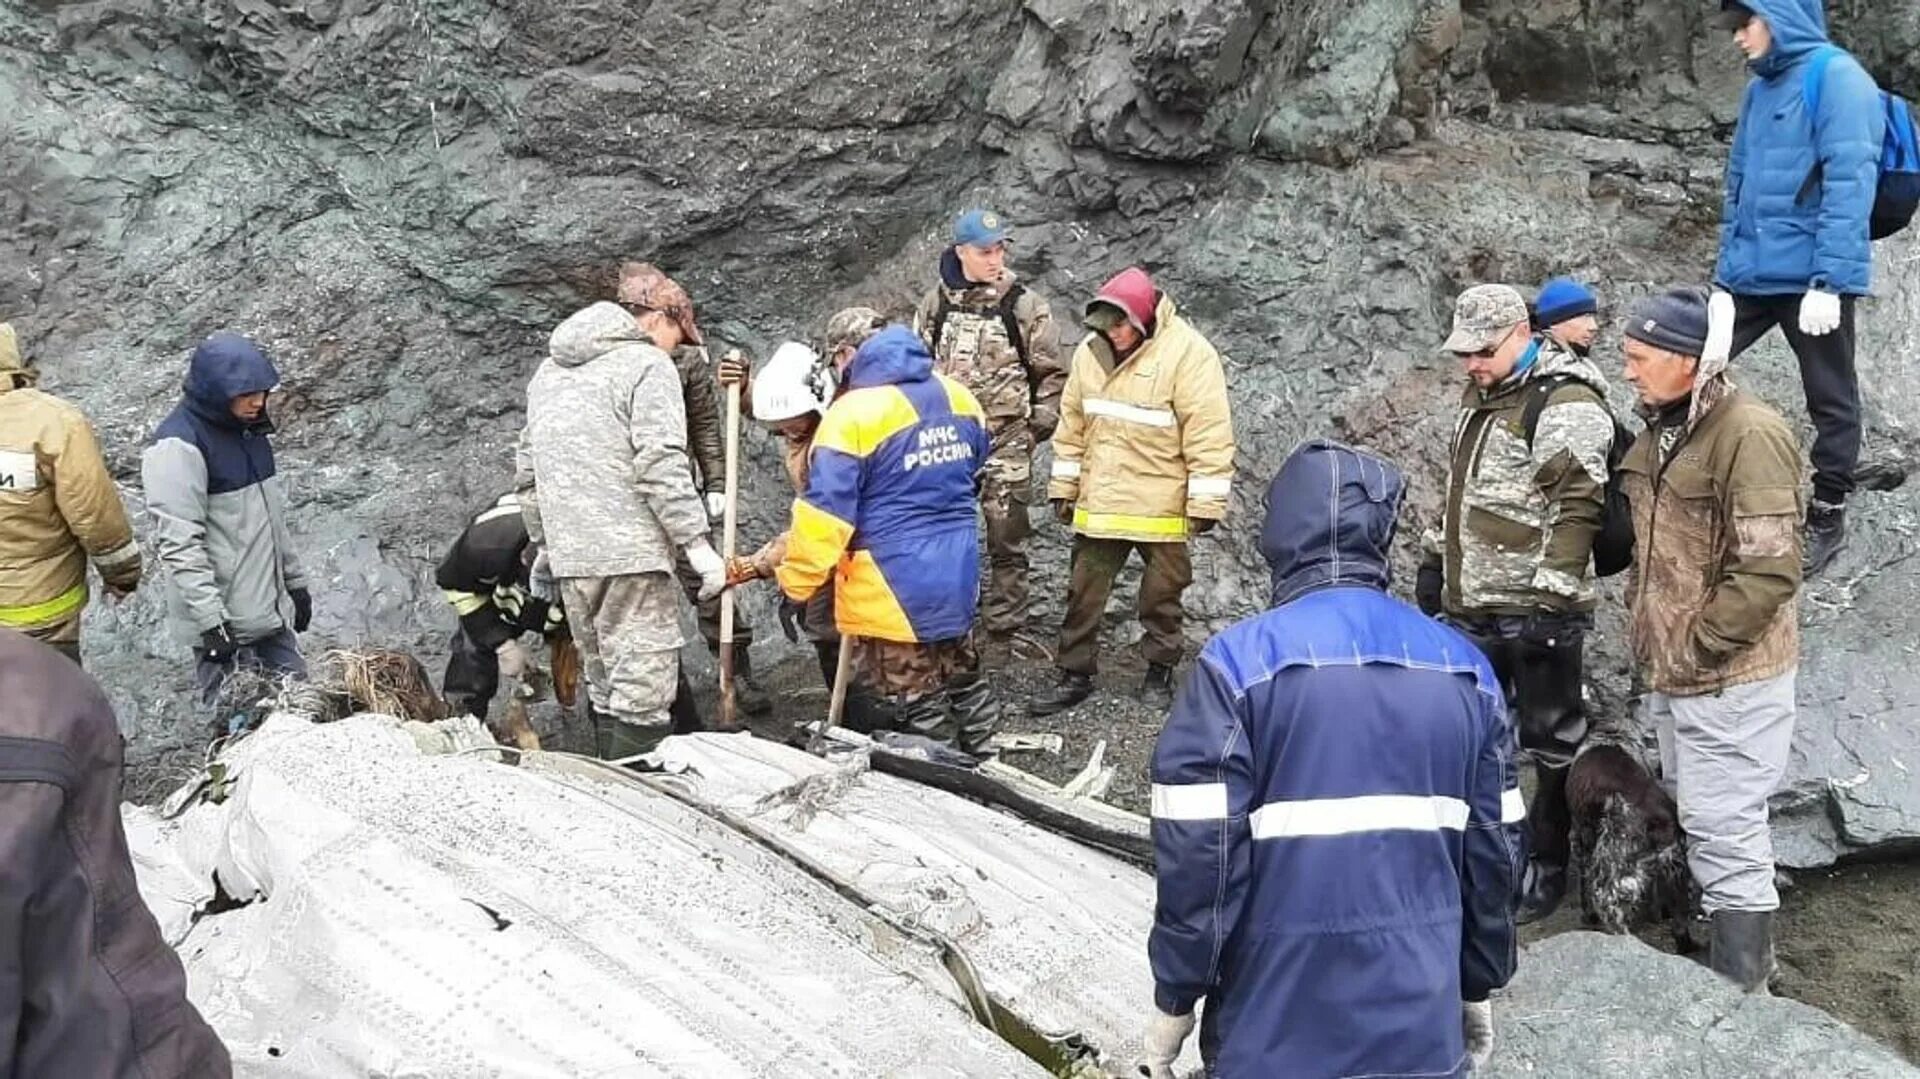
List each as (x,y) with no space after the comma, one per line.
(401,199)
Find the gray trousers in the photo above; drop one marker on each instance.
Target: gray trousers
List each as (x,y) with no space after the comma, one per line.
(1722,755)
(628,631)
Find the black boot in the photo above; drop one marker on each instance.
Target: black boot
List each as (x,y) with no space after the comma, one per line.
(1072,688)
(930,716)
(1156,691)
(1545,883)
(747,694)
(976,712)
(1826,535)
(685,711)
(1742,948)
(828,653)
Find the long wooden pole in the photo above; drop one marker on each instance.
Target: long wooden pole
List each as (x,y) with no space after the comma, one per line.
(729,720)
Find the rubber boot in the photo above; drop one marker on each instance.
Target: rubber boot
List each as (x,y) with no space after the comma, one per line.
(1545,883)
(685,711)
(1826,535)
(631,739)
(602,732)
(976,714)
(747,694)
(930,716)
(1742,948)
(828,653)
(868,712)
(1072,688)
(1156,690)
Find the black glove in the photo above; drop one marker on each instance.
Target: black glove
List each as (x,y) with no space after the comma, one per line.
(1428,588)
(302,609)
(1063,511)
(791,614)
(1200,526)
(218,646)
(533,615)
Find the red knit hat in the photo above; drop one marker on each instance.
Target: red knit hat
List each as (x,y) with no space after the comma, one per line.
(1132,291)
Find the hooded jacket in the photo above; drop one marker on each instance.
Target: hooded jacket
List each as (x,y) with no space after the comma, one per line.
(58,506)
(974,350)
(1520,518)
(88,986)
(1334,904)
(486,577)
(1145,444)
(602,469)
(1800,186)
(889,513)
(218,506)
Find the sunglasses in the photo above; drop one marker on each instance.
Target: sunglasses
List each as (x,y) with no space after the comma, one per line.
(1485,353)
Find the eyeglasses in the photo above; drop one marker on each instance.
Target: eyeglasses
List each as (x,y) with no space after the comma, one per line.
(1488,352)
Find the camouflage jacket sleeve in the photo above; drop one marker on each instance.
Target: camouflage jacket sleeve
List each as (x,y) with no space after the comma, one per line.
(1761,568)
(706,433)
(1069,443)
(1046,365)
(657,427)
(923,318)
(1570,445)
(523,486)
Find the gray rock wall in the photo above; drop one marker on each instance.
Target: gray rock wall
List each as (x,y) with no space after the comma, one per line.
(401,199)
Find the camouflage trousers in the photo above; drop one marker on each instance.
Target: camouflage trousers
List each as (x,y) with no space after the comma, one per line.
(1006,493)
(628,631)
(707,612)
(931,688)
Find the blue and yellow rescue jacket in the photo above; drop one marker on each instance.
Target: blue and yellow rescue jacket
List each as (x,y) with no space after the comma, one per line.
(889,511)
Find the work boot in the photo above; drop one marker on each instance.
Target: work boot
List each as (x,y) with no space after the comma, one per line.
(1826,535)
(1541,890)
(976,713)
(1742,948)
(1072,688)
(867,712)
(1156,690)
(1545,882)
(685,711)
(747,694)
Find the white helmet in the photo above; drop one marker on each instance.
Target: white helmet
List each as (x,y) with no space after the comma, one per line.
(792,383)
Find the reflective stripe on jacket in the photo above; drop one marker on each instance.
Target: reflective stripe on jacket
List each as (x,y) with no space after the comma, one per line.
(1145,445)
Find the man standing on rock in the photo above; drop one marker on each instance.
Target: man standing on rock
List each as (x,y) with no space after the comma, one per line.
(1511,566)
(706,438)
(605,483)
(1143,459)
(59,509)
(1568,312)
(1795,242)
(889,523)
(219,508)
(1715,486)
(996,337)
(1335,814)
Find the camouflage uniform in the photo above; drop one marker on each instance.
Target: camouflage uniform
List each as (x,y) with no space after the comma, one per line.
(1516,547)
(931,688)
(628,632)
(1022,402)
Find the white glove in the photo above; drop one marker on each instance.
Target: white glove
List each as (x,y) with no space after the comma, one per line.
(540,583)
(1819,313)
(710,566)
(513,658)
(1476,1020)
(1720,316)
(716,505)
(1165,1035)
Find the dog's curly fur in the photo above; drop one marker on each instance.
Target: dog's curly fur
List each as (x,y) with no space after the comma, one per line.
(1628,847)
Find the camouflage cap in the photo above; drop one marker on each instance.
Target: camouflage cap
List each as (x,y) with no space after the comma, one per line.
(644,286)
(851,327)
(1484,315)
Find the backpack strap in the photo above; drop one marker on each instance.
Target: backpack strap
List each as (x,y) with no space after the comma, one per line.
(941,309)
(1012,323)
(1539,394)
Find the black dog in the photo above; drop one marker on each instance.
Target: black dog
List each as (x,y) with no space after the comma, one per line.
(1628,846)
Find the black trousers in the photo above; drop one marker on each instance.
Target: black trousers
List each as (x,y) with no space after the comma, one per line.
(1827,377)
(473,675)
(1540,663)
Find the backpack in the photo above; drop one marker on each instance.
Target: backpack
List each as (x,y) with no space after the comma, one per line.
(1007,319)
(1897,195)
(1613,544)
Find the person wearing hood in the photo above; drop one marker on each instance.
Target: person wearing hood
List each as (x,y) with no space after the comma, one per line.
(995,336)
(237,594)
(605,483)
(1341,910)
(1142,461)
(1795,242)
(888,522)
(59,509)
(706,443)
(1568,312)
(1511,564)
(1714,483)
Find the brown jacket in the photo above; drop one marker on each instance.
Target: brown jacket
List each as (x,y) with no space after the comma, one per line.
(706,433)
(58,505)
(88,987)
(1717,550)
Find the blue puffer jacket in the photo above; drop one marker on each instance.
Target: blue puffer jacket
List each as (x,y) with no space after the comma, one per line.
(1773,241)
(1336,819)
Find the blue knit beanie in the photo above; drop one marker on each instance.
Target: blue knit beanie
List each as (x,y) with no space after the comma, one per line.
(1561,299)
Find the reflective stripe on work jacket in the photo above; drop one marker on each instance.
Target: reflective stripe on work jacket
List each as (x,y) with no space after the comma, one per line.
(1131,525)
(1306,817)
(33,614)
